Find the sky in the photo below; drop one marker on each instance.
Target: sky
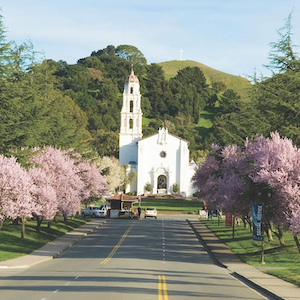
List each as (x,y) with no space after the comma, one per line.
(232,36)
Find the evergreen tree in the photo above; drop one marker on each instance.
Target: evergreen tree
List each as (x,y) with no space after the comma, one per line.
(282,55)
(158,92)
(191,92)
(277,99)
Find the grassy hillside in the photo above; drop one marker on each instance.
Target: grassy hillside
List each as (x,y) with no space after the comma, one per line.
(237,83)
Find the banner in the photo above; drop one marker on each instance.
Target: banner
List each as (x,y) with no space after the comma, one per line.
(228,220)
(256,219)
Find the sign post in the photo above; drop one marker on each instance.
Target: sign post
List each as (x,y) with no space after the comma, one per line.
(228,219)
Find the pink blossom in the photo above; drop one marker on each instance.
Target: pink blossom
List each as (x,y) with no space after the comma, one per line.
(15,186)
(62,176)
(95,184)
(44,194)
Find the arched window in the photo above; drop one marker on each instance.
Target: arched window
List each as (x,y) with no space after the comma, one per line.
(131,106)
(130,123)
(131,90)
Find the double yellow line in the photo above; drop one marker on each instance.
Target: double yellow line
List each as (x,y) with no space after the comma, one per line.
(111,254)
(162,288)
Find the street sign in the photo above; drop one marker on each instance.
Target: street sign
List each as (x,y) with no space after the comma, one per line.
(228,219)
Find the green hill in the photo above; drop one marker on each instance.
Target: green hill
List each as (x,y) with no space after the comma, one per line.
(237,83)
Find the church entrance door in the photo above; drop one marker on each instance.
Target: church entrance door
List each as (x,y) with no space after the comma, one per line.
(162,185)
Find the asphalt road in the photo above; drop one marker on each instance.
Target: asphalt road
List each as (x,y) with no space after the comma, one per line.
(130,259)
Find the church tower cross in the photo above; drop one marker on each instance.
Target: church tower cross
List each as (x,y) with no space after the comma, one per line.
(181,52)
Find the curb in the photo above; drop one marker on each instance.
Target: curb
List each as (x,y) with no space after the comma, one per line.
(255,285)
(26,266)
(233,273)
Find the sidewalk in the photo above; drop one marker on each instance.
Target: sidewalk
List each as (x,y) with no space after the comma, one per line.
(222,255)
(52,249)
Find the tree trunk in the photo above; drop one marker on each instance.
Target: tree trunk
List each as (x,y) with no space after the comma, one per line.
(297,242)
(233,226)
(249,222)
(23,228)
(49,225)
(16,221)
(39,221)
(268,230)
(279,235)
(245,222)
(269,234)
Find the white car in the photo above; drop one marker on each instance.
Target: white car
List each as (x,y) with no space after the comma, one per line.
(94,211)
(150,212)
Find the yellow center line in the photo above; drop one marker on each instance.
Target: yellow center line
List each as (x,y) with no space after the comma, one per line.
(159,288)
(162,288)
(111,254)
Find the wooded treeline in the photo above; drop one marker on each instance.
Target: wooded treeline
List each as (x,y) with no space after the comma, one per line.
(46,102)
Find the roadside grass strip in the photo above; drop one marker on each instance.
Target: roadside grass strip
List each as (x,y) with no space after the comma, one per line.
(112,253)
(162,288)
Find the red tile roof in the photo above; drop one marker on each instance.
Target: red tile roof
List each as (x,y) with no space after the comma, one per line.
(123,197)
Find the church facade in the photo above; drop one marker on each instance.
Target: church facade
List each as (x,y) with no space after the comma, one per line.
(161,159)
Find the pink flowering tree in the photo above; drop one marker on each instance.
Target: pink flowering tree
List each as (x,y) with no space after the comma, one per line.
(267,171)
(233,184)
(95,184)
(220,181)
(277,165)
(62,175)
(44,196)
(15,188)
(205,179)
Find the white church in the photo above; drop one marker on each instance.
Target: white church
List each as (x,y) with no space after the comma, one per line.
(161,159)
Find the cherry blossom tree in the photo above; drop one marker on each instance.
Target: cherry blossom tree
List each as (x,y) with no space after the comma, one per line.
(44,196)
(62,175)
(268,168)
(71,177)
(15,192)
(205,179)
(277,164)
(220,181)
(95,184)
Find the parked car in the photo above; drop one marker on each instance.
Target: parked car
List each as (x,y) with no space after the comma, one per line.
(150,212)
(94,211)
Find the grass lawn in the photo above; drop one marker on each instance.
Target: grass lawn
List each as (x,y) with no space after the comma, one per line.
(286,258)
(171,204)
(12,246)
(206,118)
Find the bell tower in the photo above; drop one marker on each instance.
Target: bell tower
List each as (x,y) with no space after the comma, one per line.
(131,120)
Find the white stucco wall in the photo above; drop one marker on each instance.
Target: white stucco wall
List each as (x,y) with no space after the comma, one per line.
(174,166)
(127,148)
